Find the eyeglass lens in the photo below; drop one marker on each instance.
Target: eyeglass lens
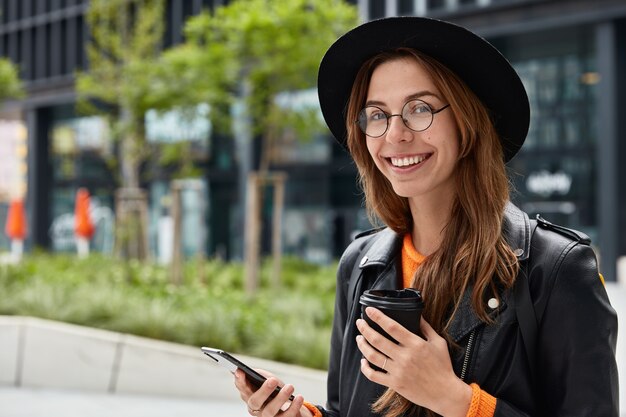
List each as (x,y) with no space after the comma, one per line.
(416,115)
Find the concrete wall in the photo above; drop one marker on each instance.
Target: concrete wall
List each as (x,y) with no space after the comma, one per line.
(37,353)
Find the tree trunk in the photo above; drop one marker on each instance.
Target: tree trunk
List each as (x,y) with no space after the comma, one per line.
(130,148)
(256,182)
(131,223)
(131,203)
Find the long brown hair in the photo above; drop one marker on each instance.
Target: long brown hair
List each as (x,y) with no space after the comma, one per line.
(473,253)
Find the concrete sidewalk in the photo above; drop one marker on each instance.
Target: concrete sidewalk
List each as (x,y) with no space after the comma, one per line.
(56,369)
(30,402)
(49,368)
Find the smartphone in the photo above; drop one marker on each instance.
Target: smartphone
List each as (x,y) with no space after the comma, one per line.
(231,363)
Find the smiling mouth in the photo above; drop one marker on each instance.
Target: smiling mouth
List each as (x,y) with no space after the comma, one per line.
(408,161)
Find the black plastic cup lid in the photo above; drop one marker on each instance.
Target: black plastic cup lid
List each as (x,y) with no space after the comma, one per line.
(405,299)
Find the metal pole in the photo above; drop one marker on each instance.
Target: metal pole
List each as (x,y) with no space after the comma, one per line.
(606,149)
(277,229)
(176,268)
(251,242)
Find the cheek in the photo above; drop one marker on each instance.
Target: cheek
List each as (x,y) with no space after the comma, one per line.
(451,144)
(455,146)
(372,149)
(379,165)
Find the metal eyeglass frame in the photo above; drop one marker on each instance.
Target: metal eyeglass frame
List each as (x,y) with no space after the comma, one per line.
(389,116)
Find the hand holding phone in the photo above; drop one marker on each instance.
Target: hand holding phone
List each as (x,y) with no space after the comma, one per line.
(232,364)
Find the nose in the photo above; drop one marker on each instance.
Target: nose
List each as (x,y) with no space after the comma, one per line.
(397,131)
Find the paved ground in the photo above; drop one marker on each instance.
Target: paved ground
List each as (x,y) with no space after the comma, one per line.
(29,402)
(24,402)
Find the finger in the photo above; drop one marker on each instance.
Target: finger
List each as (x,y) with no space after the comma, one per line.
(260,396)
(267,374)
(389,325)
(280,402)
(375,338)
(374,376)
(294,407)
(372,355)
(243,385)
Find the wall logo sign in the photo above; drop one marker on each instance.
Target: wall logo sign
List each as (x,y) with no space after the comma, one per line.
(546,183)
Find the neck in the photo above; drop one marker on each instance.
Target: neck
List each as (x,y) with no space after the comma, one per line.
(430,217)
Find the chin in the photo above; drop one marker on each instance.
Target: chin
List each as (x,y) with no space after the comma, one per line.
(405,191)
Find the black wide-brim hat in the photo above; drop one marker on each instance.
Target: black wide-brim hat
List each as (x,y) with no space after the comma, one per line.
(478,63)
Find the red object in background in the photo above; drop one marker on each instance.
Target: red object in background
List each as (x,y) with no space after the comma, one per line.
(15,227)
(83,226)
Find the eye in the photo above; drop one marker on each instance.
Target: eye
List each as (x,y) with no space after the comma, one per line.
(418,107)
(374,114)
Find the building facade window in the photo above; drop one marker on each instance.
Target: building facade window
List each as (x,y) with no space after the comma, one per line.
(555,172)
(289,148)
(376,9)
(80,149)
(435,5)
(406,7)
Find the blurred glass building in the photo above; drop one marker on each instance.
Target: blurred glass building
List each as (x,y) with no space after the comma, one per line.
(571,55)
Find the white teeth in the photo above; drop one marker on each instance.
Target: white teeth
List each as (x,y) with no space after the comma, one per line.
(403,162)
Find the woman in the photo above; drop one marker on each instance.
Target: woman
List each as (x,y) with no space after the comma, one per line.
(430,113)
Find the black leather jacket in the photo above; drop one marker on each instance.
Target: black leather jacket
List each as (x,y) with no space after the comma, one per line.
(576,370)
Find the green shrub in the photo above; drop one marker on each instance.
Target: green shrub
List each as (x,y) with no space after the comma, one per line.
(290,323)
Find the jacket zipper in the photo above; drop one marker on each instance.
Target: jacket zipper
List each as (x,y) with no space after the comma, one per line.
(468,352)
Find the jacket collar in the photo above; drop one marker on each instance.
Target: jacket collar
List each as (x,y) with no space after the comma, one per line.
(515,227)
(516,230)
(386,248)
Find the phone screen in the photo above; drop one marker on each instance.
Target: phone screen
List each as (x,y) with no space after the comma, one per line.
(231,363)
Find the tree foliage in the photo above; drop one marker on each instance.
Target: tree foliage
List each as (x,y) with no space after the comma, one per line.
(125,44)
(255,49)
(10,84)
(258,49)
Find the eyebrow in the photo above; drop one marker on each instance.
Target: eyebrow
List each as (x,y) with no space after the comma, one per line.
(410,97)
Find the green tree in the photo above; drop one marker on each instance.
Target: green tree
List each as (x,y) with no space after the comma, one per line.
(255,50)
(124,46)
(125,43)
(10,84)
(251,52)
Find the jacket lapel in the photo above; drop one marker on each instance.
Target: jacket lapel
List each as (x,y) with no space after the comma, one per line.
(379,263)
(466,318)
(516,230)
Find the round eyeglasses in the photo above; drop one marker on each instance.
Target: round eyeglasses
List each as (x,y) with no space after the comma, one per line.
(416,115)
